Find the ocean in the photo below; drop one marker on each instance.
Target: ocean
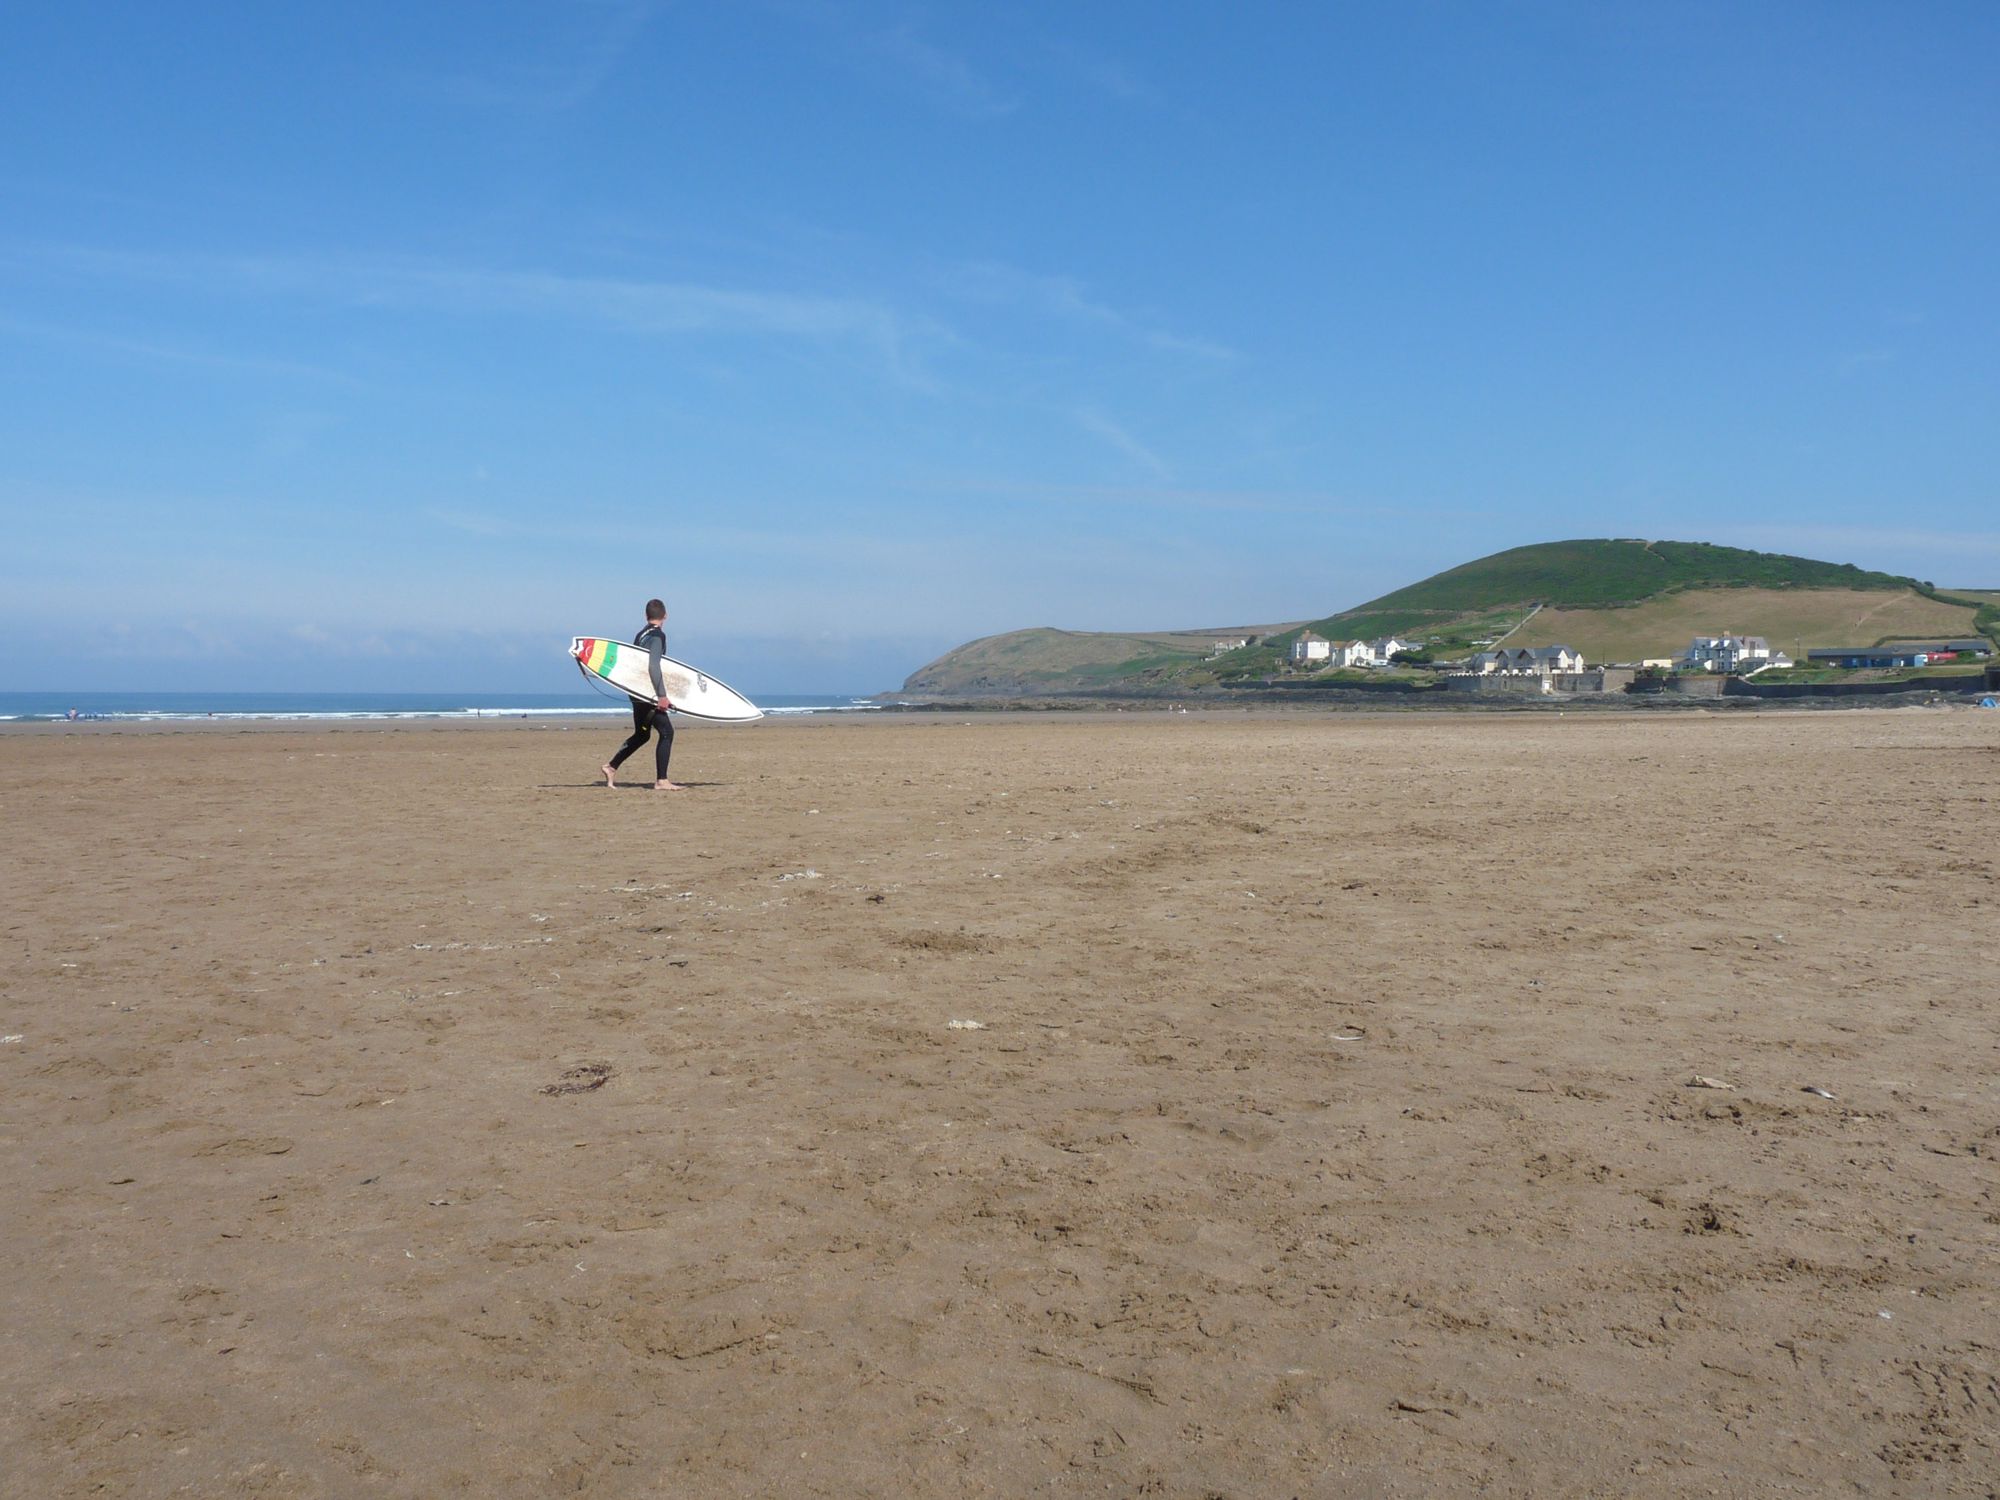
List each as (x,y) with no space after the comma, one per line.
(184,707)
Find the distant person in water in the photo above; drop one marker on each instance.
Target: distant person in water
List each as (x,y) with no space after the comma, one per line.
(649,719)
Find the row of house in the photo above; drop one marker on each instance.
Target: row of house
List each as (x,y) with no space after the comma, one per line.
(1733,655)
(1526,661)
(1312,650)
(1708,653)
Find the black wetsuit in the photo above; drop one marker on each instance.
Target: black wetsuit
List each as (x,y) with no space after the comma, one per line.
(646,718)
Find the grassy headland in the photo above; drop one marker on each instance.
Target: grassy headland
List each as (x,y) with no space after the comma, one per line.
(1613,600)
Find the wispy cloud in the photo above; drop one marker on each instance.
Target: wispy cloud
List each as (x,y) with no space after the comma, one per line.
(909,55)
(565,77)
(1099,425)
(1865,544)
(1065,297)
(940,74)
(152,352)
(637,307)
(1106,75)
(855,550)
(1317,505)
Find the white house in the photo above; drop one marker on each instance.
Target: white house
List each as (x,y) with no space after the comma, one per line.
(1727,653)
(1528,661)
(1230,643)
(1388,646)
(1309,650)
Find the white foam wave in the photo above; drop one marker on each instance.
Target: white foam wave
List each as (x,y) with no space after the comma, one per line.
(288,716)
(188,716)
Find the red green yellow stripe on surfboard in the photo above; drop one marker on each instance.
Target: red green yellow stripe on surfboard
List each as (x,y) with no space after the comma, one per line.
(599,656)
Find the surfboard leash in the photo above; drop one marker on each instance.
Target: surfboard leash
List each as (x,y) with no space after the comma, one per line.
(597,684)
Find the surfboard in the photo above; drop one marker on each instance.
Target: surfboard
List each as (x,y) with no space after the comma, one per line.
(690,690)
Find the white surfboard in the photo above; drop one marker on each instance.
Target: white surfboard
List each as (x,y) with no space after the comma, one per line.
(691,691)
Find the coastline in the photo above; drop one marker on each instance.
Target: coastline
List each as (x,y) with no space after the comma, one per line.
(279,711)
(1056,709)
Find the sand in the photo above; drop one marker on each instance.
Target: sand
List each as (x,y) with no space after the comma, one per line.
(394,1113)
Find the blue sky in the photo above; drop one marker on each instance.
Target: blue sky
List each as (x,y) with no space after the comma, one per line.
(385,342)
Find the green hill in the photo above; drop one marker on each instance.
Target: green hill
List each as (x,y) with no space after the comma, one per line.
(1597,574)
(1610,599)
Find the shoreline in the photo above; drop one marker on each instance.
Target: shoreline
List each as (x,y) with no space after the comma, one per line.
(1292,702)
(1024,710)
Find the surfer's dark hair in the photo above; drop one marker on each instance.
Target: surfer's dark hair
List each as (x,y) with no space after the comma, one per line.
(655,610)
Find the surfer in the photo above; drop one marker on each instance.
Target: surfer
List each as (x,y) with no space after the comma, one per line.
(650,718)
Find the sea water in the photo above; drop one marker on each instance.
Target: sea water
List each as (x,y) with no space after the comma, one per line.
(190,707)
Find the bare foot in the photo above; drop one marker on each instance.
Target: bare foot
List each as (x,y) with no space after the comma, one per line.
(668,786)
(610,776)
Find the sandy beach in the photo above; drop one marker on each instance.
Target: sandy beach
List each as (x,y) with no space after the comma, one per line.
(1203,1105)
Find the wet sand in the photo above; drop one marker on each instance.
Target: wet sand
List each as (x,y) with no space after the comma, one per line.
(1029,1106)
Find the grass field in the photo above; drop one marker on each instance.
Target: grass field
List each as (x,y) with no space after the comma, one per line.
(1786,617)
(1916,675)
